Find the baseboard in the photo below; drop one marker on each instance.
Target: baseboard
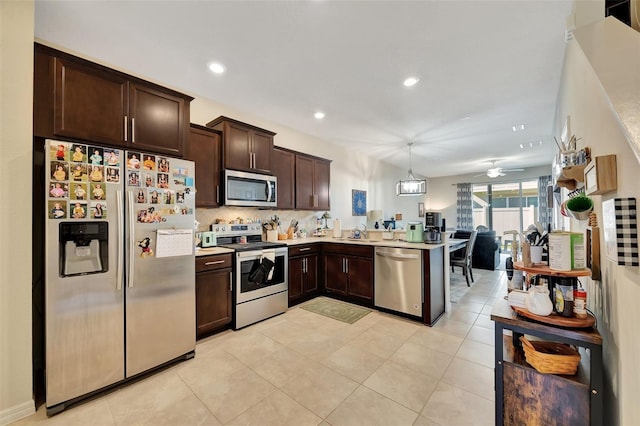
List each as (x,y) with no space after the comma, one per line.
(17,412)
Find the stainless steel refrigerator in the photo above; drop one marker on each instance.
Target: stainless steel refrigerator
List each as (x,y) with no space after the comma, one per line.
(119,266)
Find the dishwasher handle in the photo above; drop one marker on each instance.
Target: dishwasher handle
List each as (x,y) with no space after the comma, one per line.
(397,255)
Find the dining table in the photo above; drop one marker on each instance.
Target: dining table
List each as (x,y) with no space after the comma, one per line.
(456,244)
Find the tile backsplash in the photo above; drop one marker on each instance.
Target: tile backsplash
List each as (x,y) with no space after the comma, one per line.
(306,220)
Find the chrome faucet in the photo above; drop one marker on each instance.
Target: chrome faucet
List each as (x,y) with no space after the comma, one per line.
(364,232)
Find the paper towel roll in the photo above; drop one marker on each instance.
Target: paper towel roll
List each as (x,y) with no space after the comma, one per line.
(337,230)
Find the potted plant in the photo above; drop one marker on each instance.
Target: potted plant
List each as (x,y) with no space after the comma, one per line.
(579,207)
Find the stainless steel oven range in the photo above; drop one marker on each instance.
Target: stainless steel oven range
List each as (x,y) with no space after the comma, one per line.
(261,286)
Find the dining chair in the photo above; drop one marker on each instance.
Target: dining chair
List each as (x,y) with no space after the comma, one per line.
(465,261)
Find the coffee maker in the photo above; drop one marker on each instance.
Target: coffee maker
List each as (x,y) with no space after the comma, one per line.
(432,228)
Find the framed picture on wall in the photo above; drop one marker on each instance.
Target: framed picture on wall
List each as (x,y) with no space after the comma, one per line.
(358,203)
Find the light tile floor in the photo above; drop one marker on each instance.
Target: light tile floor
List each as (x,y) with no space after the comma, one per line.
(301,368)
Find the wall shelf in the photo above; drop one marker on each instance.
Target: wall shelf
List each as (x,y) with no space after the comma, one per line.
(571,177)
(600,175)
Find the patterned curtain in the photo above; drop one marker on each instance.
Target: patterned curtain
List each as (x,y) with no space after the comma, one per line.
(544,211)
(464,210)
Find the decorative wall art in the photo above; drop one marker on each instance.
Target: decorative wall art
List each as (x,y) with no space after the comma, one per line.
(358,202)
(621,230)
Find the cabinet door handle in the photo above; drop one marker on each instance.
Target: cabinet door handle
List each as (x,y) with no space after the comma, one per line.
(215,262)
(125,127)
(230,281)
(346,262)
(133,129)
(218,194)
(305,249)
(305,265)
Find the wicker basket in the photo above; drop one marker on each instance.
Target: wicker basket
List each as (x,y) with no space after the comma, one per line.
(551,357)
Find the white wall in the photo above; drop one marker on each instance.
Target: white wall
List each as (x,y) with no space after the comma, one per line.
(16,100)
(615,298)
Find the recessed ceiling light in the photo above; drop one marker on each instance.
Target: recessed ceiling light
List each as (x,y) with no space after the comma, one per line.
(319,115)
(517,127)
(217,68)
(521,146)
(411,81)
(467,117)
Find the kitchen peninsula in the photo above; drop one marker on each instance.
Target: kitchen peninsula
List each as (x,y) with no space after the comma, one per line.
(346,268)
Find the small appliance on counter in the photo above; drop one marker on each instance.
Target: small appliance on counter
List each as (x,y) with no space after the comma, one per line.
(415,232)
(433,225)
(208,239)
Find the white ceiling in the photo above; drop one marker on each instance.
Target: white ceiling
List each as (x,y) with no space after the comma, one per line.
(496,62)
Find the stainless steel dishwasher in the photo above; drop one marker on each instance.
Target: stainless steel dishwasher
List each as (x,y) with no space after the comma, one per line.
(398,284)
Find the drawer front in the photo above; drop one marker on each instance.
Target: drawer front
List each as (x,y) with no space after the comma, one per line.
(349,249)
(302,250)
(209,263)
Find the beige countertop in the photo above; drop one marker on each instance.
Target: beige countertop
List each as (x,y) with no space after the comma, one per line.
(310,240)
(212,250)
(376,243)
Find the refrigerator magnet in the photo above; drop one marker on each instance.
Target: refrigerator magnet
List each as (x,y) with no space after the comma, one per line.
(97,174)
(97,191)
(112,158)
(163,165)
(78,153)
(95,156)
(180,197)
(78,210)
(57,209)
(145,247)
(113,174)
(59,171)
(141,196)
(79,191)
(149,180)
(59,190)
(133,160)
(154,197)
(133,178)
(163,180)
(168,196)
(78,172)
(98,210)
(188,181)
(59,151)
(149,162)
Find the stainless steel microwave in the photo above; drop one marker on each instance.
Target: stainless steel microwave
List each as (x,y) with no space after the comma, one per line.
(249,189)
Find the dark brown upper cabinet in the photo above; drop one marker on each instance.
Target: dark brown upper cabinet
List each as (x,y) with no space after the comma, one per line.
(313,176)
(78,99)
(204,148)
(244,146)
(284,168)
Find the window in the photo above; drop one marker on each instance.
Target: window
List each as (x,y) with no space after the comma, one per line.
(505,206)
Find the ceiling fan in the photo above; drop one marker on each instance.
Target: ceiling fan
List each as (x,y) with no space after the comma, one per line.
(494,172)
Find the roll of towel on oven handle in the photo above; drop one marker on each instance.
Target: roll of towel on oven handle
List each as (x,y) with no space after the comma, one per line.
(270,255)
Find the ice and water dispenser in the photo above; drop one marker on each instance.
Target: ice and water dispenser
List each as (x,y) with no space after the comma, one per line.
(83,248)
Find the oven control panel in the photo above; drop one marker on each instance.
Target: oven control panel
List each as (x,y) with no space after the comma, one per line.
(237,229)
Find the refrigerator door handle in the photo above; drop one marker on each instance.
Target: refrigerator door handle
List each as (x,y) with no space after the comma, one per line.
(132,248)
(120,247)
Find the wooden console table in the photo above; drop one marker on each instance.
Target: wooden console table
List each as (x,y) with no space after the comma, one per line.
(524,396)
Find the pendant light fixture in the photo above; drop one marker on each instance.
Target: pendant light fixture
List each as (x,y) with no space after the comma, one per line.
(411,185)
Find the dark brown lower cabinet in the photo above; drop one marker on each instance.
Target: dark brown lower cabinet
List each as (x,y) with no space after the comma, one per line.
(214,279)
(303,273)
(348,272)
